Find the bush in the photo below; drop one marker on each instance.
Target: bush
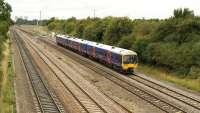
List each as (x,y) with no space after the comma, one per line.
(94,31)
(194,72)
(183,13)
(144,27)
(4,26)
(140,46)
(127,41)
(196,54)
(69,27)
(52,26)
(178,30)
(116,29)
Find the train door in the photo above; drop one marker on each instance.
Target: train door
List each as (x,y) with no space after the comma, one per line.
(109,57)
(79,47)
(93,52)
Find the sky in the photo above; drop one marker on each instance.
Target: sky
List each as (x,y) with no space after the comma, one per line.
(83,8)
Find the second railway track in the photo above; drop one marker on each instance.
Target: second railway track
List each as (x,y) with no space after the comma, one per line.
(172,93)
(48,103)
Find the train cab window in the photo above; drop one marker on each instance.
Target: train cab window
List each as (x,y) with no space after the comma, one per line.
(130,59)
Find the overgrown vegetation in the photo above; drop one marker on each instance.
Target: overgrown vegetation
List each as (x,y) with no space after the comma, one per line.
(161,74)
(172,43)
(5,22)
(7,102)
(7,99)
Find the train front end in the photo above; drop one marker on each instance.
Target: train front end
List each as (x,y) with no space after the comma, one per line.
(129,62)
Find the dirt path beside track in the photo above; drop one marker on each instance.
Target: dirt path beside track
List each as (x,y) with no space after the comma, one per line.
(4,65)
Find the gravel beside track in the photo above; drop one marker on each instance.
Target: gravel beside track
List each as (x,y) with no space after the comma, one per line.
(48,103)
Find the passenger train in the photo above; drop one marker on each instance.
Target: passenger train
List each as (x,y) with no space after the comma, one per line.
(122,60)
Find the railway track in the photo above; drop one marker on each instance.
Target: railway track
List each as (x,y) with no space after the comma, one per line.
(48,102)
(167,107)
(172,93)
(86,104)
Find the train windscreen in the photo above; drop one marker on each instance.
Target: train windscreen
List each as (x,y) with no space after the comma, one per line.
(130,59)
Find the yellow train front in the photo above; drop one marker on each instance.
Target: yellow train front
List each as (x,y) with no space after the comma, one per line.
(129,62)
(124,60)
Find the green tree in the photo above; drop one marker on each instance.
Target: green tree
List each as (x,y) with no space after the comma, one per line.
(127,41)
(80,27)
(5,20)
(116,29)
(4,26)
(51,20)
(94,31)
(5,10)
(69,25)
(179,31)
(183,13)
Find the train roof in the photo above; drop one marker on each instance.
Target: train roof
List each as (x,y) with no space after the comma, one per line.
(78,40)
(61,36)
(117,50)
(114,49)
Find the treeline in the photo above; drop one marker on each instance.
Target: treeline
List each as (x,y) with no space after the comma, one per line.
(21,21)
(5,23)
(173,43)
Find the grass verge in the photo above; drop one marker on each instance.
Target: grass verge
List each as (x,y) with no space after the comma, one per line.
(7,102)
(161,74)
